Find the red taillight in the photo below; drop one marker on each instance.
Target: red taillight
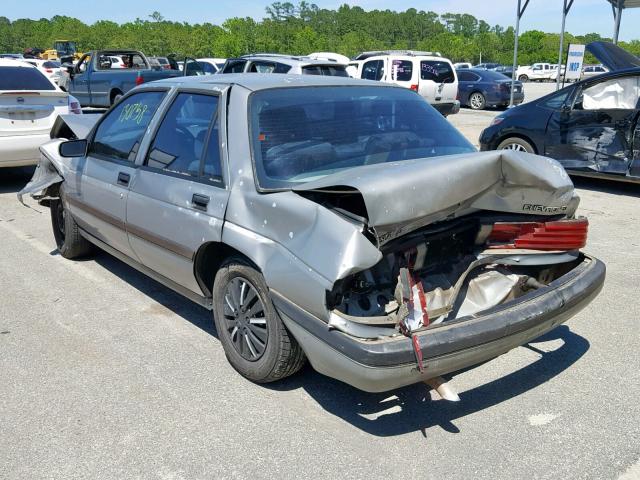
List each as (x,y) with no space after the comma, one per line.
(558,235)
(139,80)
(414,88)
(48,70)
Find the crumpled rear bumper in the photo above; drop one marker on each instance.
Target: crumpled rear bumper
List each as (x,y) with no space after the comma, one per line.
(377,366)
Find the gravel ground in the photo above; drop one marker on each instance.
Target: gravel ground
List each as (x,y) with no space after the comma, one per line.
(106,374)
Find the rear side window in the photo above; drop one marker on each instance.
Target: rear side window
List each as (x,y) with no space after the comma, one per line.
(402,70)
(183,135)
(373,70)
(468,77)
(23,78)
(269,67)
(326,70)
(436,70)
(119,135)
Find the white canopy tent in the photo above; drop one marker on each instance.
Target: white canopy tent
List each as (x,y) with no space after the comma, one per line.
(618,6)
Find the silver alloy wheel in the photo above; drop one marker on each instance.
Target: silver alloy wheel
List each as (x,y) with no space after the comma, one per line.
(476,100)
(514,146)
(245,320)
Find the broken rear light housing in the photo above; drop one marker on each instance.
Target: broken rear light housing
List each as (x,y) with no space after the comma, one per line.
(555,235)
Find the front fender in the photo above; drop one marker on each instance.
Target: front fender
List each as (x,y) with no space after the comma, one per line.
(48,174)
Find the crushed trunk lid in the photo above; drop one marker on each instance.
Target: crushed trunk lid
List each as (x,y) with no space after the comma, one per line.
(393,199)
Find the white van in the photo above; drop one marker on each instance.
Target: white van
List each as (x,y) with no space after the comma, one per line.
(428,73)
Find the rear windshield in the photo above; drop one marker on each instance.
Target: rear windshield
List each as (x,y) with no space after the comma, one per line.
(302,134)
(23,78)
(436,70)
(51,64)
(326,70)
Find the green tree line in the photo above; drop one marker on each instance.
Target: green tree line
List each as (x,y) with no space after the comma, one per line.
(299,29)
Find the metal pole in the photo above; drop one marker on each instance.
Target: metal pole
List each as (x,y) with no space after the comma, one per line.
(565,11)
(618,18)
(515,54)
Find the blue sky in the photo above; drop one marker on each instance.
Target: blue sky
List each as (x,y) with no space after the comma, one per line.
(586,15)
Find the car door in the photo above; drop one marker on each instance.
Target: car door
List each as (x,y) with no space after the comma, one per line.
(596,131)
(79,81)
(98,200)
(178,198)
(466,83)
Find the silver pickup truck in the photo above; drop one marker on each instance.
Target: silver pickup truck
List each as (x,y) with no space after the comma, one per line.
(96,81)
(339,220)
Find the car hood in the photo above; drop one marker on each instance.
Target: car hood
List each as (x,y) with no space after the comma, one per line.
(396,198)
(73,126)
(612,56)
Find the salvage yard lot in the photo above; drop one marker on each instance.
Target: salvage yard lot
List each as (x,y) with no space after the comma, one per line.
(105,373)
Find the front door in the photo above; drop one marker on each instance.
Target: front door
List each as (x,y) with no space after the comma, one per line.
(98,200)
(596,131)
(178,198)
(79,81)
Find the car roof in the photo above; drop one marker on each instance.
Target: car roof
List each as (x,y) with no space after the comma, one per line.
(289,59)
(264,81)
(15,62)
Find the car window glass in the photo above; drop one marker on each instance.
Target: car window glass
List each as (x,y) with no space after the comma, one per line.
(327,70)
(119,135)
(373,70)
(181,137)
(81,67)
(23,78)
(236,66)
(207,67)
(262,67)
(212,163)
(300,134)
(436,70)
(617,93)
(557,100)
(402,70)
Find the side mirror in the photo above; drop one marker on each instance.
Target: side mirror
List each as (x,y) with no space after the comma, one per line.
(73,148)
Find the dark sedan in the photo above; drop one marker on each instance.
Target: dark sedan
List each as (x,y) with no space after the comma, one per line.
(590,127)
(479,89)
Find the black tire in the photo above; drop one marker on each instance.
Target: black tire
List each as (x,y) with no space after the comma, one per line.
(115,97)
(266,354)
(516,143)
(477,101)
(523,78)
(66,232)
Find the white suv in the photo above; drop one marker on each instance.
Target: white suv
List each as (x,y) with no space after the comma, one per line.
(427,73)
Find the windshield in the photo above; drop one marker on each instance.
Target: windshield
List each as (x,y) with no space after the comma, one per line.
(302,134)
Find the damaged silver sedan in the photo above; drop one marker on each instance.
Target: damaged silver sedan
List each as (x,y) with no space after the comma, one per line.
(341,221)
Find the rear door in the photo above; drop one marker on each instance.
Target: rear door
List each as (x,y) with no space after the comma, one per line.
(178,199)
(597,131)
(98,201)
(79,81)
(438,81)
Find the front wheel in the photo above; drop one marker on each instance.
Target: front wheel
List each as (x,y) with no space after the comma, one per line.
(477,101)
(523,78)
(254,339)
(517,144)
(66,232)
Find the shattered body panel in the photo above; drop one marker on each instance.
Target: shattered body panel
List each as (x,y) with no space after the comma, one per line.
(590,127)
(386,274)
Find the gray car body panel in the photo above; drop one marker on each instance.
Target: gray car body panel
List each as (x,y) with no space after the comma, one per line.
(301,247)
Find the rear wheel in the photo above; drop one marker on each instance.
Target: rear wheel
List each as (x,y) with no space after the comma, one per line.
(517,144)
(477,101)
(66,232)
(254,339)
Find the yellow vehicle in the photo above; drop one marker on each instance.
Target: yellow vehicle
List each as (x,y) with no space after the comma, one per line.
(62,50)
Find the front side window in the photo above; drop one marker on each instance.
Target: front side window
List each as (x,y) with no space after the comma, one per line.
(305,133)
(183,135)
(557,100)
(618,93)
(119,134)
(373,70)
(402,70)
(437,71)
